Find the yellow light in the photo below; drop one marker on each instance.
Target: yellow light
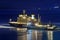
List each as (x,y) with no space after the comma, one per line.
(20,15)
(36,24)
(18,29)
(29,19)
(24,17)
(48,25)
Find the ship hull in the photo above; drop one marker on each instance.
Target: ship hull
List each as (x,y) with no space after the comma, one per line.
(30,27)
(17,25)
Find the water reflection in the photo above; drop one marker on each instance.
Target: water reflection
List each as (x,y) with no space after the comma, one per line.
(50,35)
(30,35)
(10,34)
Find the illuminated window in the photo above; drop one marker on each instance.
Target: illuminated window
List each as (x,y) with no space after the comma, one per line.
(24,17)
(32,17)
(20,15)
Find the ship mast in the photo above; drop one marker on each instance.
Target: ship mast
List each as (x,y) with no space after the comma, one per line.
(24,12)
(38,19)
(10,20)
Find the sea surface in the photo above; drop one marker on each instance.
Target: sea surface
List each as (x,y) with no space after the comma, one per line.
(12,34)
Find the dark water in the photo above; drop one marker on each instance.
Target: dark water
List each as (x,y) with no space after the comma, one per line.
(9,34)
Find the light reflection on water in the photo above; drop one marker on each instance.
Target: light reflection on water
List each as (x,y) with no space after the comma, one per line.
(10,34)
(38,35)
(31,35)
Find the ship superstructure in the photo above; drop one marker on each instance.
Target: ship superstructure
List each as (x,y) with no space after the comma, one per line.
(25,20)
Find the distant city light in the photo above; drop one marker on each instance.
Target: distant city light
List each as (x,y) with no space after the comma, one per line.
(56,6)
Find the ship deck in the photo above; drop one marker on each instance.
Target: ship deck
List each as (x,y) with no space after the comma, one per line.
(17,23)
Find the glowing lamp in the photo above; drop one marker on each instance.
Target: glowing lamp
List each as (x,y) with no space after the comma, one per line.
(24,17)
(20,15)
(32,16)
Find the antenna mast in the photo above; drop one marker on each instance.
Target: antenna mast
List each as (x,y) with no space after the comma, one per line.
(24,11)
(38,18)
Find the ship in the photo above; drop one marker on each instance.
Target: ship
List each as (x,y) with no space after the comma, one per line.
(25,21)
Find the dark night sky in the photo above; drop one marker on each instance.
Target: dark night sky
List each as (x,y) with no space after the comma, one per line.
(49,9)
(13,6)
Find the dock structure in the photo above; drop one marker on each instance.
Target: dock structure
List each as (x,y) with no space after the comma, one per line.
(50,35)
